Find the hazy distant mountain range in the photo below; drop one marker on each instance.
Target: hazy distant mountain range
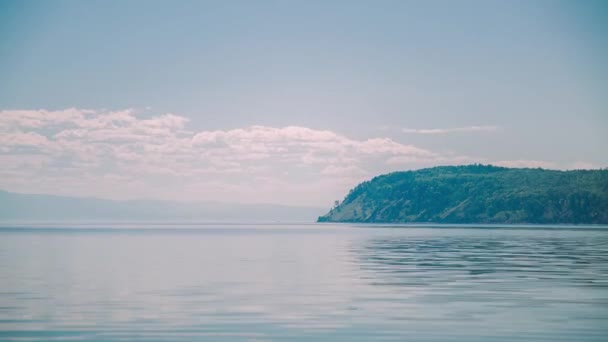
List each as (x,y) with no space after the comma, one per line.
(16,206)
(478,194)
(448,194)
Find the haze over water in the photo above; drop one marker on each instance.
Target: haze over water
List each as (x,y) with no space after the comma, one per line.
(303,282)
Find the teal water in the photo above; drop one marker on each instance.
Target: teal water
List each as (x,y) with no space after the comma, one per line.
(303,282)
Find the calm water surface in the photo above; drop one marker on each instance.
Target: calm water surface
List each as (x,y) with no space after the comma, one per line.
(303,282)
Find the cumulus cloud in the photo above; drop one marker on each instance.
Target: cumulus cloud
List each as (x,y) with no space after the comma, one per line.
(451,130)
(16,139)
(581,165)
(526,163)
(122,155)
(335,170)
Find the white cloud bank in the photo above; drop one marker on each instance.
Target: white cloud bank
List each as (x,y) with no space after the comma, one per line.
(578,165)
(451,130)
(120,155)
(117,154)
(526,163)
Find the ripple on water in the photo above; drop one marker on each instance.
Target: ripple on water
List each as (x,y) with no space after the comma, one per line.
(312,283)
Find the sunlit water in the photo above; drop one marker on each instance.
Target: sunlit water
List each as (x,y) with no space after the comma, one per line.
(303,282)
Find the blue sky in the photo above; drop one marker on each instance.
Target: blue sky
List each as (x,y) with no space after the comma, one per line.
(296,101)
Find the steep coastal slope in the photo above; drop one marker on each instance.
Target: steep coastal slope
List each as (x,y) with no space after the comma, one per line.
(478,194)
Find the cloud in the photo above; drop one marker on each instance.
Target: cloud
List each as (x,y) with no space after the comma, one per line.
(451,130)
(581,165)
(526,163)
(335,170)
(578,165)
(119,154)
(17,139)
(437,160)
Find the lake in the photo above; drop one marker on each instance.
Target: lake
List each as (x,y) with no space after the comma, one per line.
(193,282)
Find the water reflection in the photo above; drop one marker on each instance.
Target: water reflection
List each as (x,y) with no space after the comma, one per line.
(532,286)
(563,261)
(307,283)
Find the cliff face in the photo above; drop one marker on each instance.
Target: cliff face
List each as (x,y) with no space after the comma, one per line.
(478,194)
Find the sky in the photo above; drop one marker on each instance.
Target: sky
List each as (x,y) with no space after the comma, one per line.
(292,102)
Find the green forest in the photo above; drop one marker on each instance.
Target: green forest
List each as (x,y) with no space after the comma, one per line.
(478,194)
